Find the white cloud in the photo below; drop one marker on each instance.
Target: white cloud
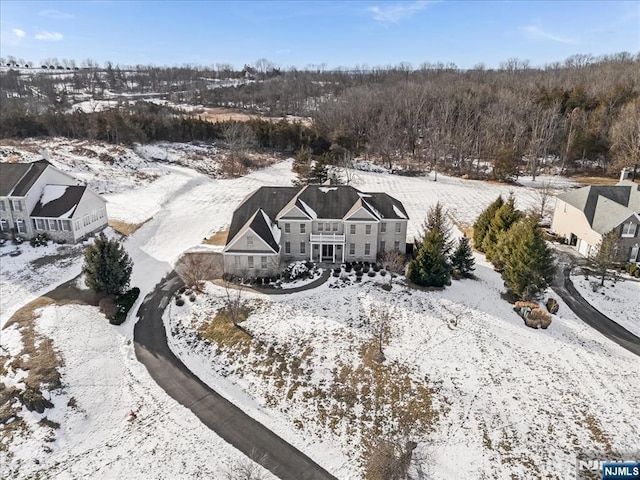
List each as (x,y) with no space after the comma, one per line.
(536,33)
(18,33)
(49,36)
(393,13)
(57,14)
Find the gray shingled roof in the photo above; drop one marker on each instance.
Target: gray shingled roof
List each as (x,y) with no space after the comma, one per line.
(17,178)
(66,204)
(327,202)
(270,199)
(605,207)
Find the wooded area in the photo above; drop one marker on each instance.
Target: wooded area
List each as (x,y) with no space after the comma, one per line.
(581,114)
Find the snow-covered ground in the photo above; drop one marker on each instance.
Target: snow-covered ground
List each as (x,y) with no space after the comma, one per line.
(490,367)
(617,300)
(510,400)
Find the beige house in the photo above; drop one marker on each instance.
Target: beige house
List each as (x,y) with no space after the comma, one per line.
(275,225)
(584,215)
(38,198)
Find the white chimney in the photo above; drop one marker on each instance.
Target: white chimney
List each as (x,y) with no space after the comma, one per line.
(45,154)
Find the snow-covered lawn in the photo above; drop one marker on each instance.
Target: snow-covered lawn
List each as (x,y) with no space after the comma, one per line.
(617,300)
(504,399)
(95,437)
(502,395)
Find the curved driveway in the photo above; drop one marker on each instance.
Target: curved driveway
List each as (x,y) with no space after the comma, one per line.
(228,421)
(563,286)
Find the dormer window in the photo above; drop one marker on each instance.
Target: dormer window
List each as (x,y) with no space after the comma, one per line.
(629,229)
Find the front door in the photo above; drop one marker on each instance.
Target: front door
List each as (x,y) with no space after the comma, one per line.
(327,252)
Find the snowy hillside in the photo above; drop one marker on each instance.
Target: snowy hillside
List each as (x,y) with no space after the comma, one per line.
(501,395)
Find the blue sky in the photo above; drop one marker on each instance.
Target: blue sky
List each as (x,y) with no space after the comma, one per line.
(301,33)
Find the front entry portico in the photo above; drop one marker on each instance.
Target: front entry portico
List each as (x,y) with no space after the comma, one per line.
(327,248)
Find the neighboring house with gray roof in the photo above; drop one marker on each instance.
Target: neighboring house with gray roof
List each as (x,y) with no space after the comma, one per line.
(274,225)
(38,198)
(584,215)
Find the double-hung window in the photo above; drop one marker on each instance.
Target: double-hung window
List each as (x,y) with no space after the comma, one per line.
(352,229)
(629,229)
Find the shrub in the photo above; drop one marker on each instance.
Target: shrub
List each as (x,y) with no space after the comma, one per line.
(40,240)
(552,305)
(538,318)
(359,273)
(124,303)
(358,267)
(377,267)
(633,269)
(371,273)
(383,272)
(365,269)
(179,301)
(298,270)
(386,287)
(519,305)
(336,272)
(192,298)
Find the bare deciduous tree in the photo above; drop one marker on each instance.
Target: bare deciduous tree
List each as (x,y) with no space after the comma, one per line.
(195,268)
(381,317)
(389,460)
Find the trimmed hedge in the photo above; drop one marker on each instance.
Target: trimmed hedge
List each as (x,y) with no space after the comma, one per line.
(124,302)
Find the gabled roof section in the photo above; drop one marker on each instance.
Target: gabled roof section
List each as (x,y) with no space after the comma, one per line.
(262,226)
(608,215)
(386,206)
(268,199)
(17,178)
(59,201)
(330,202)
(587,199)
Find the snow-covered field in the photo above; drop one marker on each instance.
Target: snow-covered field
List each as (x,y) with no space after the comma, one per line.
(617,300)
(506,396)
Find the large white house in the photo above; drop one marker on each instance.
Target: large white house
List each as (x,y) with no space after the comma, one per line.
(582,216)
(38,198)
(315,222)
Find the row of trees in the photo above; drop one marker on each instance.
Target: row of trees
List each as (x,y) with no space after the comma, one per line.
(436,259)
(515,245)
(583,112)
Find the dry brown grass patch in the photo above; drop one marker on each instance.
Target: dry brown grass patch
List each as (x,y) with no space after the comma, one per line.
(218,238)
(124,228)
(222,332)
(590,180)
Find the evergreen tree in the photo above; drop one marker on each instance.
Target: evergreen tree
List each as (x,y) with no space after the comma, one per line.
(430,268)
(605,256)
(462,261)
(506,216)
(528,263)
(481,227)
(302,164)
(437,221)
(107,266)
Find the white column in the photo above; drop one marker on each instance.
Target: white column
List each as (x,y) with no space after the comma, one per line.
(311,252)
(343,249)
(334,253)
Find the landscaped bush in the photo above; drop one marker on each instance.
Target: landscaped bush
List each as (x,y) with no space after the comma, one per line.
(633,269)
(348,267)
(298,270)
(552,305)
(538,318)
(371,273)
(336,272)
(377,267)
(124,303)
(359,273)
(179,301)
(192,298)
(40,240)
(383,273)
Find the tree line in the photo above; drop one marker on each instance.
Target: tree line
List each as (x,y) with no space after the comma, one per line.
(577,114)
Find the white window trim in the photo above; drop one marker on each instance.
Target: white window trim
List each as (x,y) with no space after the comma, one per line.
(629,234)
(367,229)
(250,263)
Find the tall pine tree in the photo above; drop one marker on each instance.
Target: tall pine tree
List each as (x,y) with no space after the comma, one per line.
(430,268)
(502,221)
(481,227)
(437,222)
(462,261)
(528,263)
(107,266)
